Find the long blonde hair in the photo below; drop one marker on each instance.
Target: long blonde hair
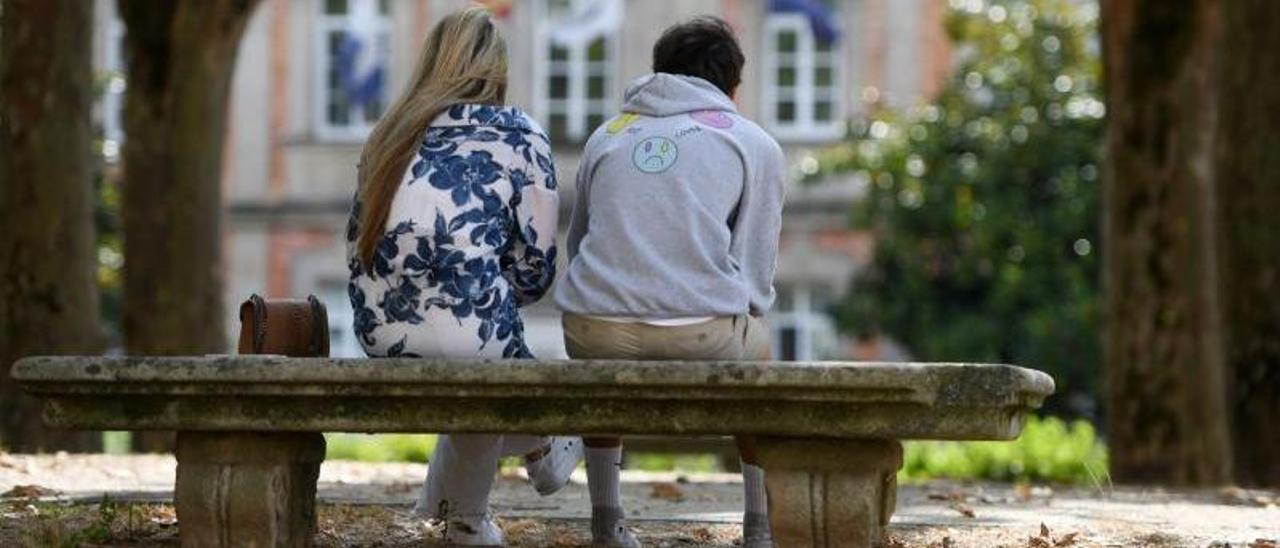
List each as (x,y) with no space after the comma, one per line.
(464,60)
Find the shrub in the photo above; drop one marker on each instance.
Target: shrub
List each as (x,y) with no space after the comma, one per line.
(1049,450)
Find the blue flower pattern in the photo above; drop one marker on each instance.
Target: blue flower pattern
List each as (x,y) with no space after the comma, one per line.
(470,239)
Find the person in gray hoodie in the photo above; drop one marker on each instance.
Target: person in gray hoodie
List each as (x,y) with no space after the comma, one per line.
(673,241)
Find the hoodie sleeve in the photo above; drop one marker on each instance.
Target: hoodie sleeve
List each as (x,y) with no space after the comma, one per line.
(758,224)
(530,265)
(578,220)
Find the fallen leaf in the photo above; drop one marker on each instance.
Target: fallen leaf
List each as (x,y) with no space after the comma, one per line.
(565,539)
(1042,541)
(702,535)
(28,492)
(163,516)
(516,530)
(667,491)
(1067,540)
(1233,495)
(1022,491)
(964,509)
(397,488)
(950,496)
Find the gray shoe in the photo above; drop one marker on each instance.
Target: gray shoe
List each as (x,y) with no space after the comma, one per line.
(609,529)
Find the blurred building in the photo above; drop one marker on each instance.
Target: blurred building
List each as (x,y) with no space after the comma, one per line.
(314,75)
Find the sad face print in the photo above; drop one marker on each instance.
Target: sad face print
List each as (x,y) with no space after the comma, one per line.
(655,154)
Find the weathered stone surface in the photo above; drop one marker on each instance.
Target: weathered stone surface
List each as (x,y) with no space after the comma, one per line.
(828,493)
(249,450)
(247,488)
(262,393)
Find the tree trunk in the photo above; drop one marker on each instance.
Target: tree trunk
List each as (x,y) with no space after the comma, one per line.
(1248,176)
(48,289)
(1166,380)
(181,57)
(1192,249)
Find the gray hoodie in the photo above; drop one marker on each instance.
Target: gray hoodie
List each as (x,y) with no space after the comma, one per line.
(679,206)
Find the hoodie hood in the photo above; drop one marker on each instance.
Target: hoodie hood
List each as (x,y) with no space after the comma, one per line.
(661,94)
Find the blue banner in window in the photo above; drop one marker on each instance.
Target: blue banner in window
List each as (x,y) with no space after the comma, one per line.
(822,19)
(360,70)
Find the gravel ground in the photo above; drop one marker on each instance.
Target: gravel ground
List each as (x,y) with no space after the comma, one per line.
(55,500)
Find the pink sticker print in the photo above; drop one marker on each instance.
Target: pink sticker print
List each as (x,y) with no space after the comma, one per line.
(713,118)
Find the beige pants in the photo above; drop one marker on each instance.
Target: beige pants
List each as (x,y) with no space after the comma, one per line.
(741,337)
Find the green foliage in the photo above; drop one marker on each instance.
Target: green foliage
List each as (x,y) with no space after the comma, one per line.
(418,448)
(665,462)
(985,203)
(106,222)
(117,443)
(1049,450)
(380,447)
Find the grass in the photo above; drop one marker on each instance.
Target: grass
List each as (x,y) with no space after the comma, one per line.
(380,447)
(662,462)
(1049,450)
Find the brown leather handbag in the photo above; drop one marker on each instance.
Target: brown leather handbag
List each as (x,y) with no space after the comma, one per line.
(287,327)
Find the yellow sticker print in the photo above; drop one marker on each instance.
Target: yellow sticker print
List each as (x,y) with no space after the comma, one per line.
(621,122)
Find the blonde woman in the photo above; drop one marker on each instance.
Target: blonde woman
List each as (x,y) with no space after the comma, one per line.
(452,231)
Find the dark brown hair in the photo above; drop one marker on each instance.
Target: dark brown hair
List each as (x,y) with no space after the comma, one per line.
(705,47)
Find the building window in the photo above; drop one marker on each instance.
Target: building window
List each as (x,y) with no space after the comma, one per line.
(802,80)
(354,42)
(342,337)
(113,75)
(802,328)
(578,51)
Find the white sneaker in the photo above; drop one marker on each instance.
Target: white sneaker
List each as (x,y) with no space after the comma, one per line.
(559,458)
(473,531)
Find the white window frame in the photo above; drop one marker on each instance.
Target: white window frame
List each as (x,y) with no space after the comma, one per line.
(359,127)
(346,343)
(811,326)
(578,69)
(806,92)
(113,95)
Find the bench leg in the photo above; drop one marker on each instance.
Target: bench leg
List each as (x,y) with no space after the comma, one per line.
(247,488)
(830,492)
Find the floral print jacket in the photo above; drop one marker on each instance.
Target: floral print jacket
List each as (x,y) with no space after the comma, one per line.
(469,239)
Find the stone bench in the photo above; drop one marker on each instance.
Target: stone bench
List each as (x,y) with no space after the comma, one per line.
(249,442)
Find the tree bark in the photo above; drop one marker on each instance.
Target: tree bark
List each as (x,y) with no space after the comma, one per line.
(1165,377)
(48,288)
(181,57)
(1248,176)
(1192,240)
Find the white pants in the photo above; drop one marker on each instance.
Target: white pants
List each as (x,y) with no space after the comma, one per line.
(462,469)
